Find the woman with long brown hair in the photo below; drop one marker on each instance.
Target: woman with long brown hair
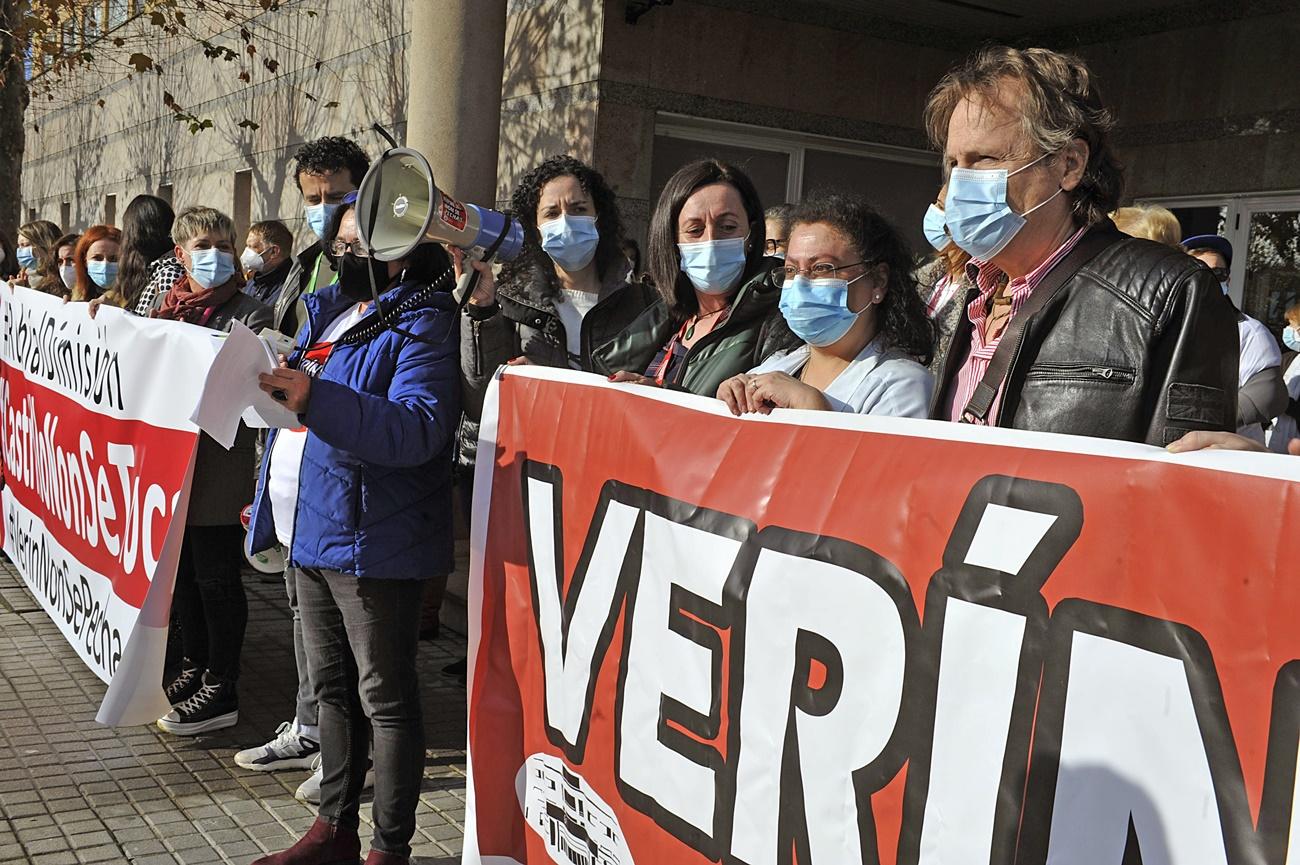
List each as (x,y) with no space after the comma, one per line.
(36,256)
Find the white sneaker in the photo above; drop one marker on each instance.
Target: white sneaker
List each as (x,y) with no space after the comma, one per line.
(309,790)
(290,749)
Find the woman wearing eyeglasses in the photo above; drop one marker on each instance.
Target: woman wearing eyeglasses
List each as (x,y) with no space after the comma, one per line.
(360,497)
(848,292)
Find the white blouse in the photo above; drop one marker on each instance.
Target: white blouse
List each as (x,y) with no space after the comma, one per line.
(877,381)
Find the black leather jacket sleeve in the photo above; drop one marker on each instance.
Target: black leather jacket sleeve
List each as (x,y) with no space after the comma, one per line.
(1198,336)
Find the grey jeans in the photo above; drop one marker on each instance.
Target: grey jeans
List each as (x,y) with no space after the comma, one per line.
(305,709)
(361,637)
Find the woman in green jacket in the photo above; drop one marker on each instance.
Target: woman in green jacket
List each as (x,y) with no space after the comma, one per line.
(717,312)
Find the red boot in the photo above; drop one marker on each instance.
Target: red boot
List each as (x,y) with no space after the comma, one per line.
(322,845)
(379,857)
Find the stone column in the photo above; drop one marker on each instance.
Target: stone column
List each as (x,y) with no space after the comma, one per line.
(454,110)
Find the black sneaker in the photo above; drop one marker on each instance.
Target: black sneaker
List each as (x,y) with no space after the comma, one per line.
(457,670)
(186,683)
(214,706)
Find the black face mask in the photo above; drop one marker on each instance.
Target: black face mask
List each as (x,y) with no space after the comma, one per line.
(355,273)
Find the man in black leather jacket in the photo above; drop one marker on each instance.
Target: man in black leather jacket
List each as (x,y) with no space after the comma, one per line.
(1126,338)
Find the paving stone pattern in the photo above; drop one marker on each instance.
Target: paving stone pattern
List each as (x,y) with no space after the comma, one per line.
(74,792)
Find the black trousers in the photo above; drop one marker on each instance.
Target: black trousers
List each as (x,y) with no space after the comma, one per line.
(361,637)
(209,603)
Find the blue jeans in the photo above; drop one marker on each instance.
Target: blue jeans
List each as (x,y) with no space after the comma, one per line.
(305,702)
(361,637)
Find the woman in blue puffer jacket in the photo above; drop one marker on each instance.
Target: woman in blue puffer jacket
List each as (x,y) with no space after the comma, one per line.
(360,498)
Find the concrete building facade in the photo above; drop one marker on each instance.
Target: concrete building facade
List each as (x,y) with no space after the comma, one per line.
(803,93)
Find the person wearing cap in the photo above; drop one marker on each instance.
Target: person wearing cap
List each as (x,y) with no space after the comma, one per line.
(1261,393)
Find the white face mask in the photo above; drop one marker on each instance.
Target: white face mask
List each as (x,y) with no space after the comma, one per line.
(68,273)
(252,260)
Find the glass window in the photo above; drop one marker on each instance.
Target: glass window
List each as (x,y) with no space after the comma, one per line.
(1200,220)
(118,12)
(1272,266)
(767,168)
(900,191)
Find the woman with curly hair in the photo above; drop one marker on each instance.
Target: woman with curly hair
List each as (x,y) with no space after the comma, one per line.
(848,292)
(563,297)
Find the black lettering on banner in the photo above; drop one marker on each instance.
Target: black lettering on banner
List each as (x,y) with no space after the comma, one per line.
(699,621)
(67,596)
(59,352)
(1019,595)
(1075,618)
(688,578)
(793,830)
(551,476)
(1277,802)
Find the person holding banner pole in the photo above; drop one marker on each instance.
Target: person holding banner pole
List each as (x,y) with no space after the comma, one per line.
(848,292)
(717,310)
(209,600)
(360,497)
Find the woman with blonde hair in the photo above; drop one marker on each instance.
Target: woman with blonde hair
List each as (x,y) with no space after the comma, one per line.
(1150,221)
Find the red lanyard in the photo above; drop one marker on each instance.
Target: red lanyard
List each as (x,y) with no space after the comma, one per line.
(662,371)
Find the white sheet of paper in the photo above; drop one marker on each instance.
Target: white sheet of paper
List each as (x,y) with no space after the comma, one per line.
(231,392)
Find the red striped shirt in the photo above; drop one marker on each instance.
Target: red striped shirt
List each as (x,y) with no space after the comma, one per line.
(986,277)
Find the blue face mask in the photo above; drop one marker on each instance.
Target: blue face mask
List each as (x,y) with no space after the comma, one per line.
(976,210)
(26,256)
(936,230)
(103,273)
(211,267)
(714,266)
(319,216)
(817,310)
(1290,338)
(570,241)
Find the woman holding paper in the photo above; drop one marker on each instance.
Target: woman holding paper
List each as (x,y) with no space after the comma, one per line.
(360,497)
(209,602)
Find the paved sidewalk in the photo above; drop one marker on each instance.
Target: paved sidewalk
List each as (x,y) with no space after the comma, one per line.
(72,791)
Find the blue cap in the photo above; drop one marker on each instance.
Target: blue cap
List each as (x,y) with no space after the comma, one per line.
(1215,242)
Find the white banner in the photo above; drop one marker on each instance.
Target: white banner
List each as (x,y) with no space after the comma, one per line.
(98,451)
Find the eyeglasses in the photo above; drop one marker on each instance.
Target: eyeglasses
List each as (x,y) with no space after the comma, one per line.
(342,247)
(820,270)
(774,243)
(1220,273)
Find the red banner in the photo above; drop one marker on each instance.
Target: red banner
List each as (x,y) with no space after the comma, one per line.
(96,448)
(820,638)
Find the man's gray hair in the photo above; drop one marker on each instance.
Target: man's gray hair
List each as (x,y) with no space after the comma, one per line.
(1059,103)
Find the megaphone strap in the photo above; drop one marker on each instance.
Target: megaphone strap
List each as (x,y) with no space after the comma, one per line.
(386,319)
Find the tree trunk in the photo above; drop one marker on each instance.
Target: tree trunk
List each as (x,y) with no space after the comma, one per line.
(13,102)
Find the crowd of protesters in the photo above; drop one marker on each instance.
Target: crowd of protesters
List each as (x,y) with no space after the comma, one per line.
(1043,306)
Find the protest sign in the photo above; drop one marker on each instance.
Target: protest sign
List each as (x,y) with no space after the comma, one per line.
(823,638)
(98,450)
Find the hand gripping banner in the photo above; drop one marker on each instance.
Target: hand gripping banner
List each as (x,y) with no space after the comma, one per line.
(819,638)
(97,455)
